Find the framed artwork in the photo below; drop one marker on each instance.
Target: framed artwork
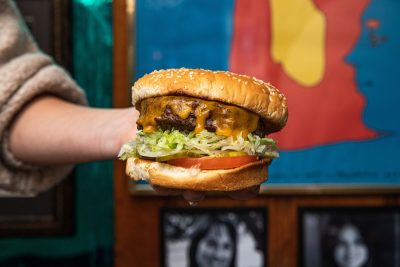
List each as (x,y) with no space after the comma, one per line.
(51,212)
(335,61)
(49,23)
(344,236)
(208,237)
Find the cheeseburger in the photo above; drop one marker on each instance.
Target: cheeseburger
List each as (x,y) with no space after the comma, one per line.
(203,130)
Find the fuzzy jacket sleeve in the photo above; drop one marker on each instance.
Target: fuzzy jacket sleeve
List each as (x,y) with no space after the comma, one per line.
(25,72)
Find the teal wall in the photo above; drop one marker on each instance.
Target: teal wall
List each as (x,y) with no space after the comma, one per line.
(92,242)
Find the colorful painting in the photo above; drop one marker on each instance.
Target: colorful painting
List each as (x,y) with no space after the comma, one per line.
(336,61)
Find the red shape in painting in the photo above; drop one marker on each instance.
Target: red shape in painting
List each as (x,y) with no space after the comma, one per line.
(326,113)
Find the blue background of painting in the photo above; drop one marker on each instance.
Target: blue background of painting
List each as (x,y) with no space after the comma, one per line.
(198,34)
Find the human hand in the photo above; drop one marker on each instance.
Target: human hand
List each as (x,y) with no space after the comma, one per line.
(92,133)
(193,197)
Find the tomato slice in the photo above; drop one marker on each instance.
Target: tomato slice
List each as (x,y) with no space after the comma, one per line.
(213,163)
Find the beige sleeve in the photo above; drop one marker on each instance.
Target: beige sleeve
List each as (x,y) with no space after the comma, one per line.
(25,73)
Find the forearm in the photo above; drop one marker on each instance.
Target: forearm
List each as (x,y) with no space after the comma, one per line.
(52,131)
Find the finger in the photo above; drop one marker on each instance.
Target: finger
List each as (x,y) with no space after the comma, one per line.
(193,196)
(165,191)
(245,193)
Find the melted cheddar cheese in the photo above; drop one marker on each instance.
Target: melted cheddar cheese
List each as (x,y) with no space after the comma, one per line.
(228,120)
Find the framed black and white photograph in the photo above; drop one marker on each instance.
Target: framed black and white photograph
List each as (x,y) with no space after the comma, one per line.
(213,237)
(349,237)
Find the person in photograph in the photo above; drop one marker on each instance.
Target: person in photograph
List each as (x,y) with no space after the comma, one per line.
(345,244)
(214,244)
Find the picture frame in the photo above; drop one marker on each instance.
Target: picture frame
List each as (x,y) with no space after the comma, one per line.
(49,23)
(48,214)
(310,169)
(205,236)
(52,212)
(356,236)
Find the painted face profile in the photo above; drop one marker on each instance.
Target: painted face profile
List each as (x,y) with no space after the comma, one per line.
(216,248)
(350,251)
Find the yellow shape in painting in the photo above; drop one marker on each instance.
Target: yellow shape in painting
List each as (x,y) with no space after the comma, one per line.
(298,39)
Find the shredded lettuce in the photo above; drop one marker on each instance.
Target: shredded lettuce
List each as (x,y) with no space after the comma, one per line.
(128,150)
(170,142)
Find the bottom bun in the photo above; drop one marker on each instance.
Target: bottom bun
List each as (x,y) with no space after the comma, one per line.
(165,175)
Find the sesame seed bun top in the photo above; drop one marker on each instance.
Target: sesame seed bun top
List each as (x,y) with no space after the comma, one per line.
(240,90)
